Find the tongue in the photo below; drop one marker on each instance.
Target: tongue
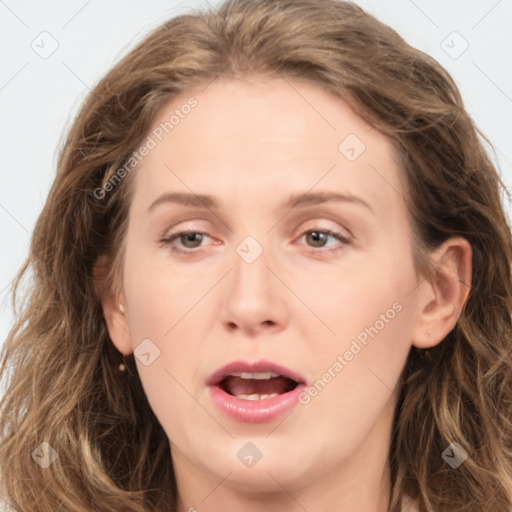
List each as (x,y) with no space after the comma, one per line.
(238,386)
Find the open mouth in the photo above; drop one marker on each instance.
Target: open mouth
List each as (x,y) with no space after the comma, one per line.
(255,392)
(256,385)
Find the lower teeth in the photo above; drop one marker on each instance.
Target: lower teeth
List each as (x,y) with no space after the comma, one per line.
(256,396)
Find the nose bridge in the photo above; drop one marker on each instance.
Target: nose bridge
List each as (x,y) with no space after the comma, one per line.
(250,265)
(252,295)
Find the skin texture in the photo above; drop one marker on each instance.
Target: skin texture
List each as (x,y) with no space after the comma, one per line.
(251,144)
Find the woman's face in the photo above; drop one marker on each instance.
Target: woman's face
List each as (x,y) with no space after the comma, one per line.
(263,289)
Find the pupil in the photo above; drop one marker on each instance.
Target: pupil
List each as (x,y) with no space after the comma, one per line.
(317,236)
(189,237)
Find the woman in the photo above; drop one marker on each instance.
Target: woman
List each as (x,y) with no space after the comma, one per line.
(337,334)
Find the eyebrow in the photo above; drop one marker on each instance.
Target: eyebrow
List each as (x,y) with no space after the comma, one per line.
(295,200)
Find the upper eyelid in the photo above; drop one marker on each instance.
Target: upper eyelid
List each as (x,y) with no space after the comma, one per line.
(300,220)
(299,231)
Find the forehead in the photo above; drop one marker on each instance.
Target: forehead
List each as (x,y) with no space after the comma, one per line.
(263,136)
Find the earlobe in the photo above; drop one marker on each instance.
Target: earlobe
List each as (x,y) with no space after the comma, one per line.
(114,310)
(443,294)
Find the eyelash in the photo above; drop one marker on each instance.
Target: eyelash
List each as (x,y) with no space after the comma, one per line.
(164,242)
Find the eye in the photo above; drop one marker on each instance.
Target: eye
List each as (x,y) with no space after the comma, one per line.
(191,240)
(187,237)
(320,236)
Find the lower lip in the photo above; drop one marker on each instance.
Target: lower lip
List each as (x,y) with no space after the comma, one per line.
(255,411)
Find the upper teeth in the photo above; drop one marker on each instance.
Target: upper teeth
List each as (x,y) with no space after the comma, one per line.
(257,396)
(257,376)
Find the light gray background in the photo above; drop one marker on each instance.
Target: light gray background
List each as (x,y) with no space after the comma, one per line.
(39,96)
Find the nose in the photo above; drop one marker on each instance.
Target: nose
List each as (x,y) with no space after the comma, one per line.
(254,300)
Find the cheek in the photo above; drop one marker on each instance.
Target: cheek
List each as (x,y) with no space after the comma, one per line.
(358,300)
(169,319)
(154,312)
(367,353)
(355,377)
(160,295)
(370,311)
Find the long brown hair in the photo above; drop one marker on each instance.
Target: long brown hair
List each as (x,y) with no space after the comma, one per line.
(59,365)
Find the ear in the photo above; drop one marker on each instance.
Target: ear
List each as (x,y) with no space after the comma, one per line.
(115,317)
(443,294)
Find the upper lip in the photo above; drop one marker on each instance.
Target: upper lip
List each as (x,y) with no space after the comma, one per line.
(260,366)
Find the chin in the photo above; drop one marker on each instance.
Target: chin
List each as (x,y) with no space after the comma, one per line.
(254,463)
